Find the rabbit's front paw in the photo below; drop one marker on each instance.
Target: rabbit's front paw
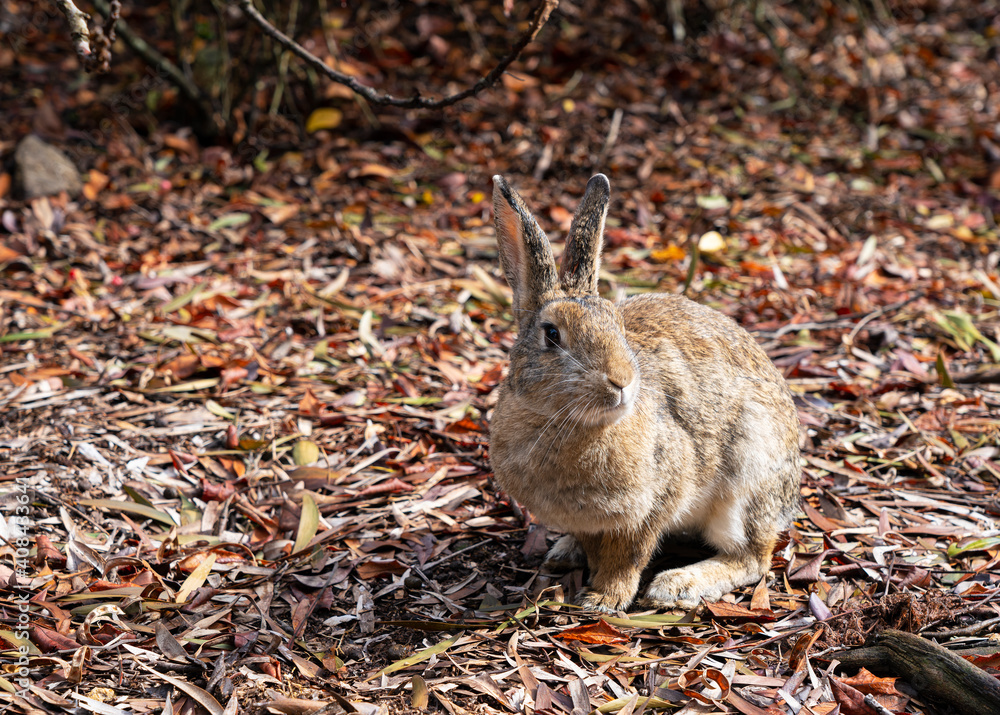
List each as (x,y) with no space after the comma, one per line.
(682,588)
(565,555)
(707,580)
(604,602)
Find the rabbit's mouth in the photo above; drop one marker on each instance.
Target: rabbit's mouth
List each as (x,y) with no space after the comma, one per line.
(614,405)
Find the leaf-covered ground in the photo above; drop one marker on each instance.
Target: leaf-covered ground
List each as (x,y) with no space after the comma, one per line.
(246,391)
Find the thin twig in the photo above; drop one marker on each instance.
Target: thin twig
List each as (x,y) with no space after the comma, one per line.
(879,313)
(875,705)
(842,321)
(417,102)
(609,141)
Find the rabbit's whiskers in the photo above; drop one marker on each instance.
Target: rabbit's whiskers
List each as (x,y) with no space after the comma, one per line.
(572,358)
(576,415)
(549,423)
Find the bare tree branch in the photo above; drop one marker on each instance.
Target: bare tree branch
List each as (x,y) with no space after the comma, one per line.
(94,50)
(78,29)
(417,102)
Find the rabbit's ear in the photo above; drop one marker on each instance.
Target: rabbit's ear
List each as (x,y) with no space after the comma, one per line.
(581,260)
(525,253)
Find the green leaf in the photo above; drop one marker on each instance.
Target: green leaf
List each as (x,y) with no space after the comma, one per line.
(964,332)
(180,333)
(260,162)
(417,657)
(229,221)
(652,620)
(107,594)
(942,371)
(131,508)
(137,497)
(182,300)
(419,696)
(984,544)
(643,704)
(418,401)
(43,334)
(218,410)
(18,642)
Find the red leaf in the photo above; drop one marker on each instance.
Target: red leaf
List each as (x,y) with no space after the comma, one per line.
(600,633)
(852,700)
(800,652)
(233,374)
(216,492)
(309,405)
(868,683)
(47,552)
(183,366)
(464,425)
(181,460)
(390,486)
(222,556)
(48,640)
(736,612)
(883,690)
(375,568)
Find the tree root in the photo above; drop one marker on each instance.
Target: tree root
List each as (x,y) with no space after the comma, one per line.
(935,673)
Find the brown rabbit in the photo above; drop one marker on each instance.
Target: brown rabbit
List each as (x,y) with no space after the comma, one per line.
(621,423)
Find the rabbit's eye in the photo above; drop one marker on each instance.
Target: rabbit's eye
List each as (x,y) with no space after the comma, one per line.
(551,334)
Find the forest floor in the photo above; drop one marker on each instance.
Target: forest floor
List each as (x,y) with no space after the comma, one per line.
(248,401)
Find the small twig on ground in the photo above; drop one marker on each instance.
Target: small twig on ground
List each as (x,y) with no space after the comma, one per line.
(879,313)
(544,161)
(982,375)
(874,704)
(541,16)
(842,321)
(971,630)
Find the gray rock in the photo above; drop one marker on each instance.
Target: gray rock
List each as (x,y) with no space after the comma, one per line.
(43,170)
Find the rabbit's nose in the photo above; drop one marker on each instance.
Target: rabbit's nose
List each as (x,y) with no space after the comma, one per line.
(619,383)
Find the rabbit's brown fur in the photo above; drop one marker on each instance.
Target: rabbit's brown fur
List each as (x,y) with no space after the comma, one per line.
(622,423)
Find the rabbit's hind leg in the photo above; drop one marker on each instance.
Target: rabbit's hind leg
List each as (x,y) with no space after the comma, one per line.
(710,579)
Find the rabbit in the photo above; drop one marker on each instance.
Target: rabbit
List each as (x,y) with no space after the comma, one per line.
(620,423)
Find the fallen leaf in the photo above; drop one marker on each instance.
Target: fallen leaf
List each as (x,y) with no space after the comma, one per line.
(602,633)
